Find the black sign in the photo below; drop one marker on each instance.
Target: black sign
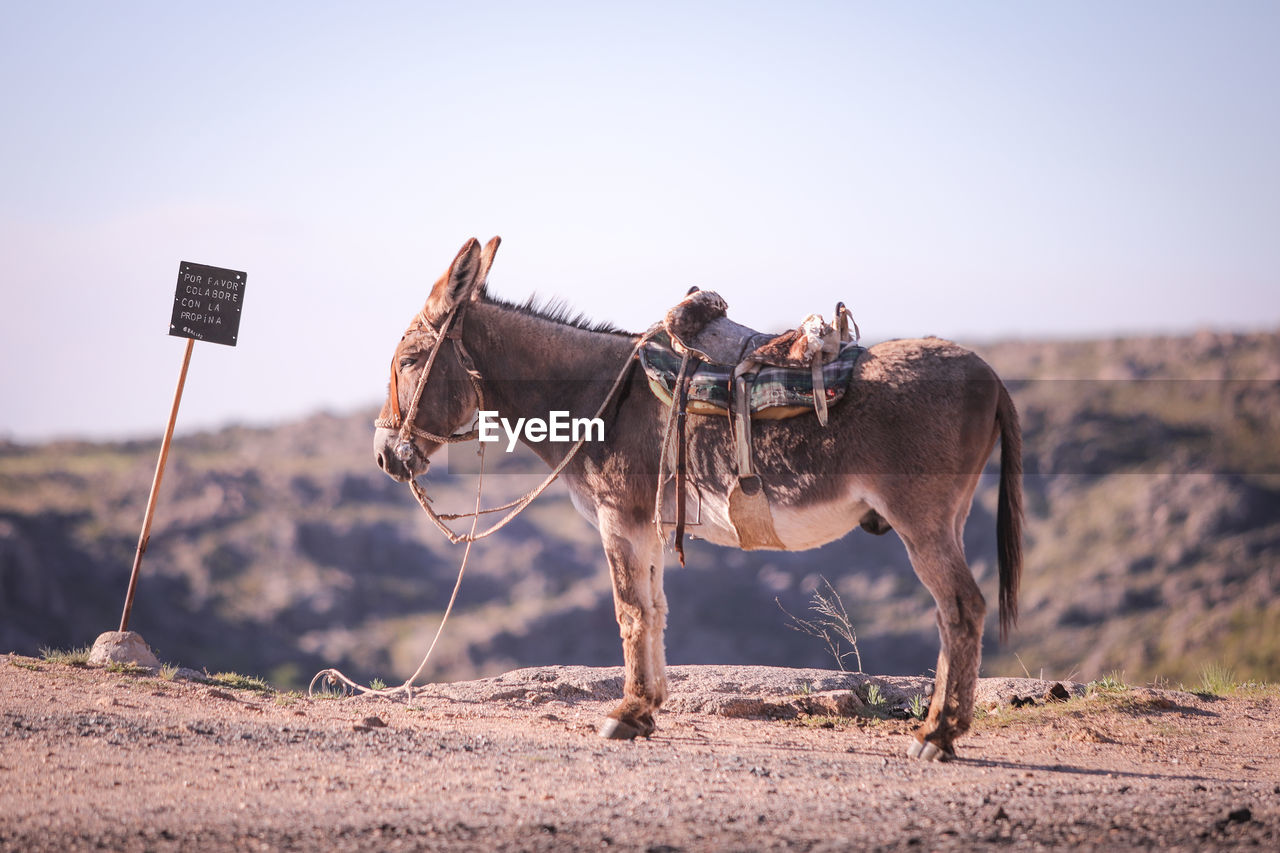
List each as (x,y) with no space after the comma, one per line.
(207,303)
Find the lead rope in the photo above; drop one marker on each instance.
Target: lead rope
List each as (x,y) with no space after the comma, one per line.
(518,506)
(333,676)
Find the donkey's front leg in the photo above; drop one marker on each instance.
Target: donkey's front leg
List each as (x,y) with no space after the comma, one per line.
(635,565)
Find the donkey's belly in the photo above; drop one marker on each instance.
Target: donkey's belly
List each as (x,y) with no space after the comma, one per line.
(810,527)
(797,527)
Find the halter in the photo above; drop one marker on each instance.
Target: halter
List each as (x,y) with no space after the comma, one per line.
(451,330)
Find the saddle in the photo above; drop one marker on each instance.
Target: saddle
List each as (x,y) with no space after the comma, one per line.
(728,368)
(699,323)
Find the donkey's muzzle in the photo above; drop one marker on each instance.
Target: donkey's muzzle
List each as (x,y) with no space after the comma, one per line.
(398,459)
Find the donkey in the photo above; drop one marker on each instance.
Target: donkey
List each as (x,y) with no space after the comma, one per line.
(903,450)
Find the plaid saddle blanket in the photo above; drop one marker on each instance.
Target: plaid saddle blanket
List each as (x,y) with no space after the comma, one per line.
(776,392)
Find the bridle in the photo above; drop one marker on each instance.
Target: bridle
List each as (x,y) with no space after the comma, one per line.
(450,330)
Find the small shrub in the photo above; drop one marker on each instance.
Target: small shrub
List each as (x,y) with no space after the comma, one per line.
(918,707)
(240,682)
(71,657)
(169,671)
(1111,683)
(377,684)
(1217,679)
(831,624)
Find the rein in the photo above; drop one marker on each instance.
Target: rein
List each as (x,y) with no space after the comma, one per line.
(518,506)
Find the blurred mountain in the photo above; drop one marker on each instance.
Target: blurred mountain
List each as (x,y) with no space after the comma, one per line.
(1153,544)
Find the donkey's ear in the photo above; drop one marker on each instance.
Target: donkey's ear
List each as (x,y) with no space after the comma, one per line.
(456,285)
(486,261)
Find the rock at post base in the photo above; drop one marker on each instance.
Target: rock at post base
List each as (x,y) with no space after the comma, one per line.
(122,647)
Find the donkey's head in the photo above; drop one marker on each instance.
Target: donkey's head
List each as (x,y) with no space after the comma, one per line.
(431,394)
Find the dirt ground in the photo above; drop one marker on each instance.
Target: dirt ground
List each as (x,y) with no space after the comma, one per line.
(745,759)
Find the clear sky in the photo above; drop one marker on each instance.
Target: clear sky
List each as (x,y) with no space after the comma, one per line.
(971,170)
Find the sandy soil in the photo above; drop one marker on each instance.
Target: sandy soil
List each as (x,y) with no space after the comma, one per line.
(91,759)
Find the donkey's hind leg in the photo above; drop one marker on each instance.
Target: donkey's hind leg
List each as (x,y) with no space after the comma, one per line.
(635,566)
(938,559)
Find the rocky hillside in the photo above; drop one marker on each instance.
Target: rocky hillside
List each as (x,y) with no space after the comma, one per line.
(1153,544)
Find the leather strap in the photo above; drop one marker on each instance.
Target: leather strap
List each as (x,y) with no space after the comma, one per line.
(748,504)
(740,405)
(681,404)
(819,390)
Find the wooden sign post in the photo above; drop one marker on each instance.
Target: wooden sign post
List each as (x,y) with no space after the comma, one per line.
(206,307)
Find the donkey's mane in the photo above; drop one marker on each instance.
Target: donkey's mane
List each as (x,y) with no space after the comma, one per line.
(558,311)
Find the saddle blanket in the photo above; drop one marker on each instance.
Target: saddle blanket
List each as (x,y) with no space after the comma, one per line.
(776,392)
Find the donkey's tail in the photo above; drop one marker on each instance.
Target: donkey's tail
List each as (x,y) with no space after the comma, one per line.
(1009,510)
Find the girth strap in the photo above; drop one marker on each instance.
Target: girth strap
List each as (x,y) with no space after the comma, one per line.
(749,511)
(681,404)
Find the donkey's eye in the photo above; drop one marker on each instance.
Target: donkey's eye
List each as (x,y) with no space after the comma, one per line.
(408,361)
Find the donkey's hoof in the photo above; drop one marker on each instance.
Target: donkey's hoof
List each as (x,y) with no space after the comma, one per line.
(926,751)
(612,729)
